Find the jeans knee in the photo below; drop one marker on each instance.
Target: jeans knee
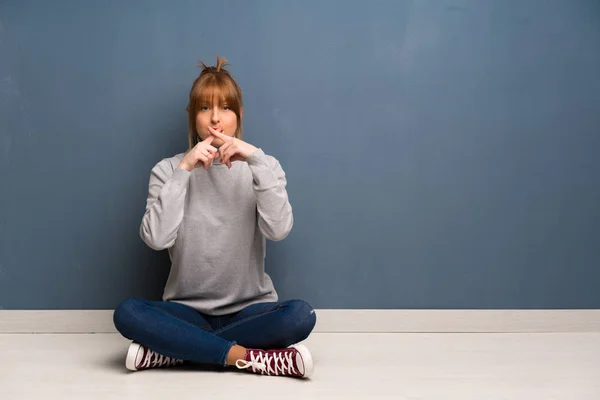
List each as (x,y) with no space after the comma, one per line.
(125,312)
(304,318)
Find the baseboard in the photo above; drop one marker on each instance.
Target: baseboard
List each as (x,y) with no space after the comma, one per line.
(340,321)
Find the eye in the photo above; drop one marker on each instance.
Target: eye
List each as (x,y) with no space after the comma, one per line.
(226,108)
(204,108)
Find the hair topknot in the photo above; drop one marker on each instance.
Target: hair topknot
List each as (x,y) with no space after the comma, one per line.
(221,63)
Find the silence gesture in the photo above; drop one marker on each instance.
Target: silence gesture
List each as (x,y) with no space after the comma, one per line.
(201,155)
(233,149)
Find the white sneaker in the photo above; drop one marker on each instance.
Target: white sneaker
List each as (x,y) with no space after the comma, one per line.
(140,357)
(295,360)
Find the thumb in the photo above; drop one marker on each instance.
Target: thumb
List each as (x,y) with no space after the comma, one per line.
(209,139)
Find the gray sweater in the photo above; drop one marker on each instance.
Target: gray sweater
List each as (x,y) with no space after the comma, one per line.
(215,223)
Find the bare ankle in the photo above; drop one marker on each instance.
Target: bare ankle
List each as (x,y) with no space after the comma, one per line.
(235,353)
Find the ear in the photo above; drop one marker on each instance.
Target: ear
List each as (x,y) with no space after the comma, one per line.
(241,112)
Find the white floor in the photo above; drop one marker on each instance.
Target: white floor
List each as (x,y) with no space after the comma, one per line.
(347,366)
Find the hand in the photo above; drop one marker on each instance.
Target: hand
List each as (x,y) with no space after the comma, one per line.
(233,149)
(202,154)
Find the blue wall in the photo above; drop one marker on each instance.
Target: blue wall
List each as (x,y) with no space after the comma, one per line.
(440,154)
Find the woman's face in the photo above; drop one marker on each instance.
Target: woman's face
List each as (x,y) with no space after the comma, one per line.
(218,116)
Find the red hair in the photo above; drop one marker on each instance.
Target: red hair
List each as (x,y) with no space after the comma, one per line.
(213,81)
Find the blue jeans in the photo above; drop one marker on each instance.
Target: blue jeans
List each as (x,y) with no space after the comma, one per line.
(179,331)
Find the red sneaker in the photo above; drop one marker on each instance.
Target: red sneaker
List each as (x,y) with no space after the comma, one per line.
(140,357)
(295,361)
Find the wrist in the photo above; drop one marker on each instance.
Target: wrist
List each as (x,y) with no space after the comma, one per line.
(255,157)
(253,150)
(184,166)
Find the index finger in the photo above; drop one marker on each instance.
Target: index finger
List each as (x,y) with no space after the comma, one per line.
(218,134)
(208,140)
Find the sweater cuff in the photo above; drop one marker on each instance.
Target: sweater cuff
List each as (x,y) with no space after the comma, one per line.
(262,172)
(181,175)
(256,158)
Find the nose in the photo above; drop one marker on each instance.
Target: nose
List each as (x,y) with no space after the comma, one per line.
(215,116)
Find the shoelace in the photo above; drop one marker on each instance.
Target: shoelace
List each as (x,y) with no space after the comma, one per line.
(152,359)
(261,362)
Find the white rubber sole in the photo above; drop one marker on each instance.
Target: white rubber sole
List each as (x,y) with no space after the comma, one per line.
(307,360)
(132,354)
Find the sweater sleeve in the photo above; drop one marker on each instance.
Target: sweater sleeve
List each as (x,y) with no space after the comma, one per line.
(275,217)
(164,206)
